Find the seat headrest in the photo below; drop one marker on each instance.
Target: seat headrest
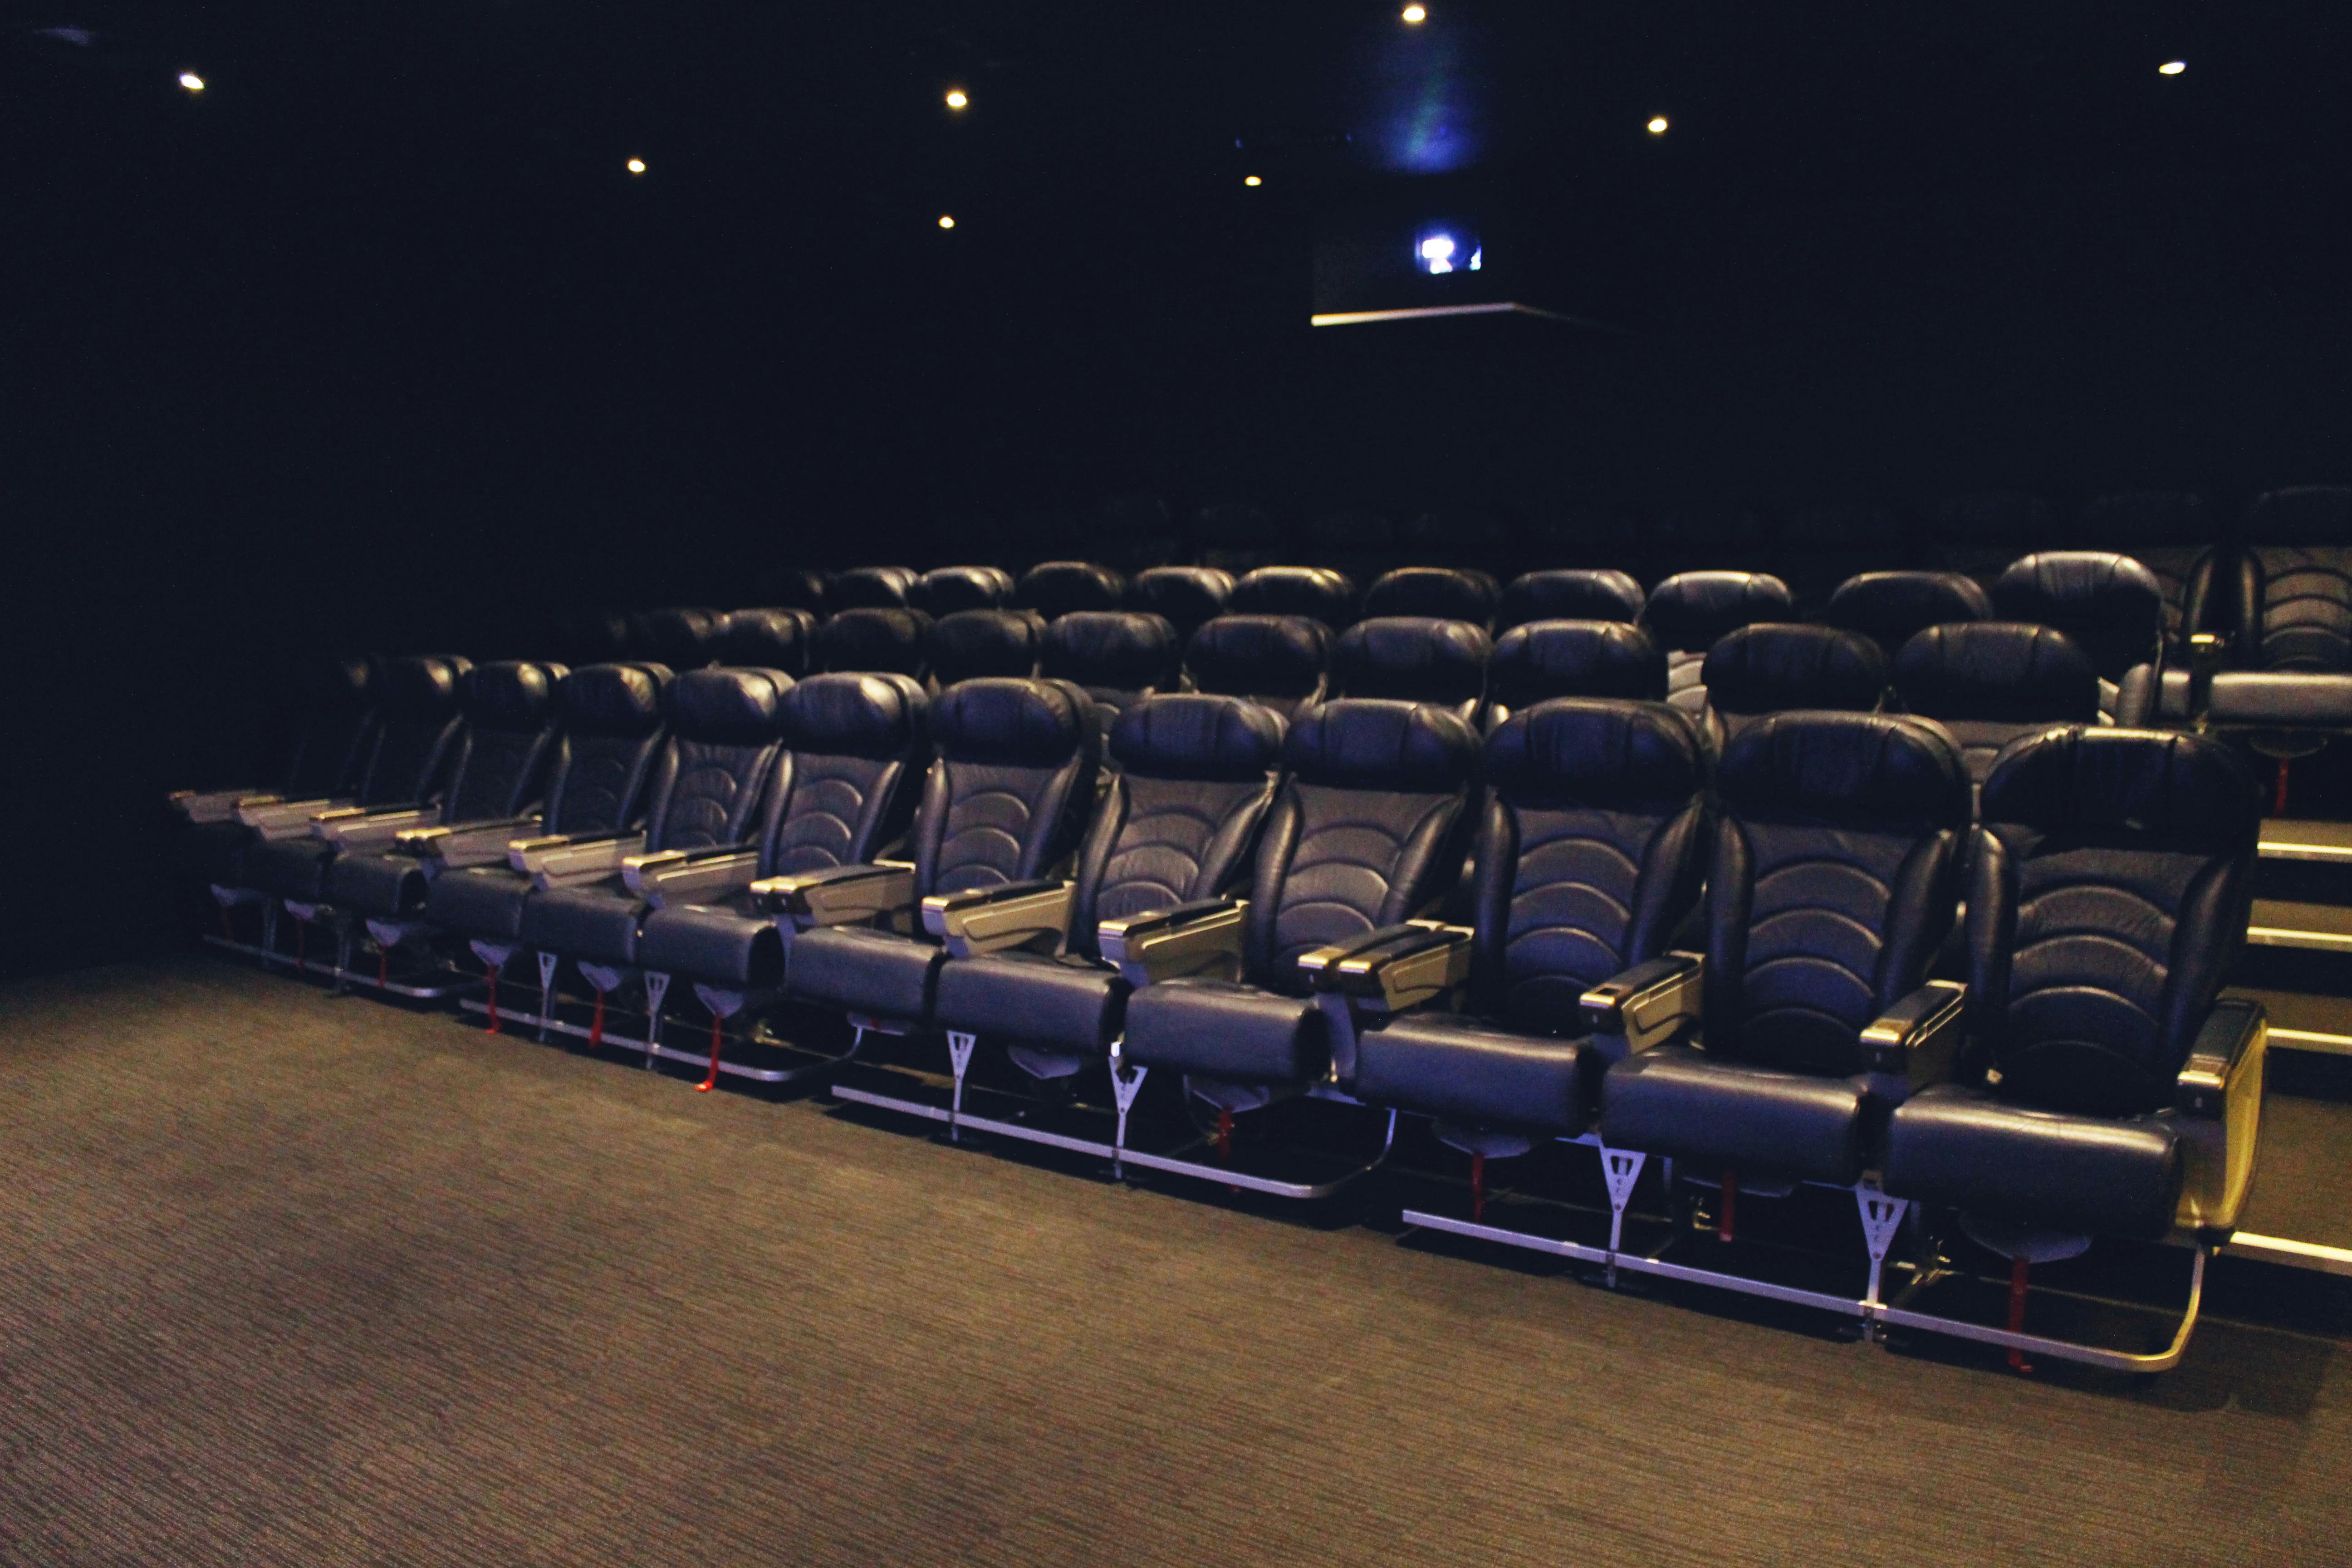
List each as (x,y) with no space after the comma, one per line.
(2301,514)
(1775,666)
(1318,593)
(1370,742)
(727,707)
(1577,659)
(972,643)
(613,698)
(1598,752)
(1440,593)
(865,715)
(420,686)
(768,639)
(1889,606)
(1691,610)
(1055,588)
(1571,595)
(1195,735)
(1259,656)
(1186,595)
(2005,672)
(874,588)
(2110,604)
(679,638)
(1025,723)
(512,694)
(896,641)
(2178,790)
(1124,650)
(1866,771)
(1415,658)
(944,590)
(337,683)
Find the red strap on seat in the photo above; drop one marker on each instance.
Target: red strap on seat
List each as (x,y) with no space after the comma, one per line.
(1477,1186)
(1729,1208)
(708,1084)
(596,1025)
(2278,801)
(2017,1267)
(494,998)
(383,967)
(1224,1135)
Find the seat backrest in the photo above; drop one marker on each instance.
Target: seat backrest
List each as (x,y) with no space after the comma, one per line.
(1573,659)
(1055,588)
(1367,829)
(1414,659)
(856,749)
(2299,562)
(1988,683)
(2108,897)
(1008,796)
(874,588)
(1279,660)
(1118,656)
(408,759)
(1689,612)
(1832,882)
(1195,776)
(682,639)
(1439,593)
(509,743)
(613,734)
(2172,534)
(777,638)
(1777,668)
(1591,847)
(1316,592)
(890,642)
(334,721)
(1889,606)
(944,590)
(2109,603)
(1570,593)
(726,728)
(974,643)
(1186,597)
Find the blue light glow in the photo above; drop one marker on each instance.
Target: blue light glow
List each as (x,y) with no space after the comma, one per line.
(1441,250)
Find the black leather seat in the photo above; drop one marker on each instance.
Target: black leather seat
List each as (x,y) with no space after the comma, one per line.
(1176,824)
(610,738)
(1589,856)
(874,588)
(1989,682)
(1367,830)
(2109,606)
(407,763)
(1573,659)
(945,590)
(779,638)
(334,723)
(2291,605)
(1315,593)
(974,644)
(2107,900)
(1776,668)
(1831,886)
(1055,588)
(876,641)
(1436,593)
(2172,534)
(1118,656)
(1414,659)
(1003,805)
(1690,611)
(1282,661)
(685,639)
(1570,593)
(1889,606)
(1186,597)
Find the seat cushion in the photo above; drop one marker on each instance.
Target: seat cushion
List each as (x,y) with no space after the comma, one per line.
(595,922)
(1459,1069)
(214,852)
(726,943)
(1030,997)
(2092,1176)
(292,868)
(2289,699)
(1226,1030)
(483,901)
(877,973)
(381,886)
(1679,1100)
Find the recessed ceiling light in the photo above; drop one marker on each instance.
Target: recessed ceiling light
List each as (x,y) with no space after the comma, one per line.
(2172,67)
(956,99)
(636,165)
(1415,15)
(1657,125)
(1251,180)
(191,82)
(945,222)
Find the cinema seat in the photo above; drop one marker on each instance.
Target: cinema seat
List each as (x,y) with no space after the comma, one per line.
(1688,612)
(2113,1093)
(778,638)
(1437,593)
(680,638)
(2172,534)
(876,641)
(1056,588)
(1186,597)
(1315,593)
(944,590)
(1887,607)
(1118,657)
(1366,832)
(1573,659)
(1989,682)
(1414,659)
(874,588)
(974,644)
(1777,667)
(1569,594)
(2109,606)
(334,726)
(1281,661)
(2291,687)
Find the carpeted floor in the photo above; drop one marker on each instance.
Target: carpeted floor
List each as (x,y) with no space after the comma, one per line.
(287,1278)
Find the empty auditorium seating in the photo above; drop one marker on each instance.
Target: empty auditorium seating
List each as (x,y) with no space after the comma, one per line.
(886,641)
(680,638)
(1186,597)
(333,725)
(944,590)
(874,588)
(1414,659)
(1316,592)
(1441,593)
(1117,656)
(2290,614)
(2171,533)
(1282,661)
(970,644)
(2109,606)
(1989,682)
(1055,588)
(1889,606)
(1775,667)
(780,639)
(1688,611)
(1570,593)
(1573,659)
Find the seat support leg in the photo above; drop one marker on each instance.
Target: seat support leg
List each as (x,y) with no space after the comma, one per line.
(547,963)
(1126,1083)
(959,1047)
(268,931)
(657,987)
(342,959)
(1621,1168)
(1882,1217)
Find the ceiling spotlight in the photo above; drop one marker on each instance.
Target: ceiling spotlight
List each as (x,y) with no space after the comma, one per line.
(636,165)
(1657,125)
(1251,180)
(2172,67)
(956,99)
(191,82)
(1415,16)
(945,222)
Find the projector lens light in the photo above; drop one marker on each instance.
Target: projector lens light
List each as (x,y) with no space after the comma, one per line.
(956,99)
(1251,180)
(2172,67)
(636,165)
(1657,125)
(945,222)
(1415,16)
(191,82)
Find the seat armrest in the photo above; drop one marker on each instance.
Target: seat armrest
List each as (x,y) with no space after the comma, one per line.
(528,853)
(839,895)
(465,843)
(1199,937)
(2217,1103)
(991,920)
(2232,1036)
(267,812)
(1395,968)
(689,878)
(1648,1003)
(582,860)
(641,872)
(216,805)
(354,830)
(1919,1038)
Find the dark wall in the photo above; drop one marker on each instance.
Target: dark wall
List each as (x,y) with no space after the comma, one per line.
(376,344)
